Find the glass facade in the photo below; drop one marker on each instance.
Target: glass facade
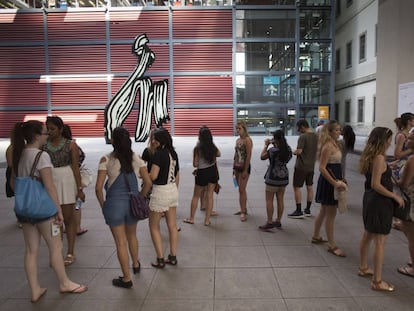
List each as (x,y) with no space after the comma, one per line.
(283,64)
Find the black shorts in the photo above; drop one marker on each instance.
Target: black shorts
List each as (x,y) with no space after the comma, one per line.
(300,177)
(205,176)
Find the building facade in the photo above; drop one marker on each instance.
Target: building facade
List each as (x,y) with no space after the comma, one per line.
(267,62)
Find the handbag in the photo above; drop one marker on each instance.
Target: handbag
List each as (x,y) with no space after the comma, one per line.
(31,198)
(86,176)
(402,212)
(340,196)
(138,204)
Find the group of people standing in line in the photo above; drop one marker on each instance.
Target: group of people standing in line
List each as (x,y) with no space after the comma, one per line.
(380,197)
(158,168)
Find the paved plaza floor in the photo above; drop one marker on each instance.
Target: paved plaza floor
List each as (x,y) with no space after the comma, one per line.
(230,265)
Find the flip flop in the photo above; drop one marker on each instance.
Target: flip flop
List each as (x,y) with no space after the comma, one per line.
(214,213)
(83,231)
(404,270)
(188,221)
(77,290)
(238,213)
(336,251)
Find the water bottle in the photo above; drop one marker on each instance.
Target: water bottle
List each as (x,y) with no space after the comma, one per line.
(235,181)
(78,204)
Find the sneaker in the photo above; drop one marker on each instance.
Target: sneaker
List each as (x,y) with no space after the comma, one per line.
(267,226)
(296,214)
(307,212)
(277,224)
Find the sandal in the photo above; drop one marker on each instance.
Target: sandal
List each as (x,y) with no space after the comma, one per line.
(336,251)
(160,264)
(137,269)
(188,221)
(172,260)
(406,271)
(318,240)
(69,259)
(243,217)
(363,272)
(376,285)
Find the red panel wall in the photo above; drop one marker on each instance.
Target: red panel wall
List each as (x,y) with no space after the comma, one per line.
(76,26)
(203,57)
(15,27)
(22,60)
(218,120)
(127,25)
(202,24)
(22,92)
(202,90)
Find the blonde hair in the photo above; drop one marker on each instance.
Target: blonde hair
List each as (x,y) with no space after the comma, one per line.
(376,144)
(326,137)
(243,124)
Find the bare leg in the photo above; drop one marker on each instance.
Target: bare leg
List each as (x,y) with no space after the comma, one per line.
(330,212)
(154,225)
(318,222)
(70,226)
(364,249)
(242,192)
(133,245)
(269,206)
(378,260)
(32,240)
(309,193)
(280,199)
(197,193)
(209,202)
(298,195)
(171,219)
(119,234)
(55,246)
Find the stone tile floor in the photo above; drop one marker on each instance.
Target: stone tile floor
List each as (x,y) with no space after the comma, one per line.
(228,266)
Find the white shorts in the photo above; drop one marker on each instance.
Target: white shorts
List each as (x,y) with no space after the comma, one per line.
(163,197)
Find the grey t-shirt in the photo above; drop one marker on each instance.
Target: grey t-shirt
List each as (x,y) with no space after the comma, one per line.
(308,142)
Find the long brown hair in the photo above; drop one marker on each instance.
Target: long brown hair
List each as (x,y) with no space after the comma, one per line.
(376,144)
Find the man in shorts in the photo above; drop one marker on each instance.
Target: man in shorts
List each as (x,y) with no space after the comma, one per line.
(304,167)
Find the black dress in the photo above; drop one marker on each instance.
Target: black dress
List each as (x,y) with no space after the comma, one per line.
(377,210)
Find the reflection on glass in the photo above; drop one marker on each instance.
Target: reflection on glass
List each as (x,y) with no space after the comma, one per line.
(276,56)
(269,89)
(315,24)
(314,89)
(315,56)
(265,24)
(264,120)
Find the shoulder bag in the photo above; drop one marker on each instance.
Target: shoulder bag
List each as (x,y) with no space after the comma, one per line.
(31,198)
(138,203)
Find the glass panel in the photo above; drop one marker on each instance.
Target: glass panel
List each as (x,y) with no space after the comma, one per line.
(314,89)
(310,114)
(265,120)
(277,56)
(315,2)
(315,56)
(315,24)
(265,24)
(275,89)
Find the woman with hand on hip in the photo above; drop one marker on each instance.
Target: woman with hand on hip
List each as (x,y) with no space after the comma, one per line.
(205,154)
(28,139)
(241,166)
(164,197)
(329,180)
(64,154)
(378,205)
(120,170)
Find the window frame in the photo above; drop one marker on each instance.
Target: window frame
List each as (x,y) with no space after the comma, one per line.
(348,55)
(361,109)
(363,58)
